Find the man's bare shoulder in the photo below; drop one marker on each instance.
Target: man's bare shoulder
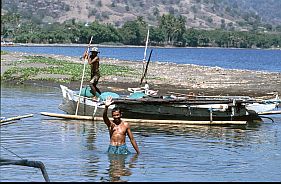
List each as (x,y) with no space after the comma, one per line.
(126,124)
(111,124)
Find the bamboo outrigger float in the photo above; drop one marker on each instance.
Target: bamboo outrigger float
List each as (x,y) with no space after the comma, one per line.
(148,121)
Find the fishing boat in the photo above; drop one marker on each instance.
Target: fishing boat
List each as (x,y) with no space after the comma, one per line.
(139,105)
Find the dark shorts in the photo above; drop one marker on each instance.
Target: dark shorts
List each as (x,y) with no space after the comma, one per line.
(95,79)
(123,149)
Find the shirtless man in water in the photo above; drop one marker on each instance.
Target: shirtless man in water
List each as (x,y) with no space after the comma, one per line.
(117,131)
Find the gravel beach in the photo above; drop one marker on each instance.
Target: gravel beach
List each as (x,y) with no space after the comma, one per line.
(170,77)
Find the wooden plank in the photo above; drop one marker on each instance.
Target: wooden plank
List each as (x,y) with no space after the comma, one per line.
(7,123)
(16,118)
(147,120)
(269,112)
(67,116)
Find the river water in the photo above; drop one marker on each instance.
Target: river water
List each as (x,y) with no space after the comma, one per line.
(250,59)
(74,150)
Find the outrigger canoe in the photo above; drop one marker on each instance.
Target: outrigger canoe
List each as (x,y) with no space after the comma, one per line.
(139,105)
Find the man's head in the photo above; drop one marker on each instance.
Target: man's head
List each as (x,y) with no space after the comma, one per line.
(94,50)
(116,115)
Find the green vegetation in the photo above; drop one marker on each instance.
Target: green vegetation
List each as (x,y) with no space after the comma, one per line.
(3,52)
(170,31)
(44,66)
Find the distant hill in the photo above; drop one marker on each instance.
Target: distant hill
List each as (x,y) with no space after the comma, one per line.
(205,14)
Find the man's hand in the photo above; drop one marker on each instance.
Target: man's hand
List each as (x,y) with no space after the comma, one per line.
(108,101)
(85,55)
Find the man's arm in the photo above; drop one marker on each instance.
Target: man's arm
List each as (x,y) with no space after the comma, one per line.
(105,118)
(85,55)
(132,139)
(108,102)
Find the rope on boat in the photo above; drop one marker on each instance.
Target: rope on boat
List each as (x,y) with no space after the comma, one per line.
(268,118)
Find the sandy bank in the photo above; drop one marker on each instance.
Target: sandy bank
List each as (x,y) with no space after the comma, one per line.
(179,78)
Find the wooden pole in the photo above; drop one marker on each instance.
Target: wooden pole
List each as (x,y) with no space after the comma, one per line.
(7,123)
(145,71)
(16,118)
(144,54)
(149,121)
(83,76)
(269,112)
(67,116)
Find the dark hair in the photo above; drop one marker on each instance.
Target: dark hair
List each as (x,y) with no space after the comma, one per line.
(116,109)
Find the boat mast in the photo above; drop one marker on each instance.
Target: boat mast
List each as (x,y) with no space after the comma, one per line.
(144,54)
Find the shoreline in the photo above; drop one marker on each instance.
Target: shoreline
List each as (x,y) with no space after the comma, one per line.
(170,77)
(119,46)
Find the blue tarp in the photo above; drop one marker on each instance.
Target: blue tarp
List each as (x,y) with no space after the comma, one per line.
(137,95)
(86,91)
(104,95)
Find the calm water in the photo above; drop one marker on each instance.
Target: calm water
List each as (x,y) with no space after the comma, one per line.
(75,150)
(251,59)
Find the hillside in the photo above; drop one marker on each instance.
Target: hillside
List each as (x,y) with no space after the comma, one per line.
(206,14)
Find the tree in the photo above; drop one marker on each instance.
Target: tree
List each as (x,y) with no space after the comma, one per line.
(172,27)
(156,36)
(134,32)
(191,37)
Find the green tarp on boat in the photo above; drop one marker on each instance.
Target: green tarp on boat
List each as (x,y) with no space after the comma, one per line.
(86,91)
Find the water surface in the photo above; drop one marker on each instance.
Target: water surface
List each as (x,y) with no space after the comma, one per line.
(74,150)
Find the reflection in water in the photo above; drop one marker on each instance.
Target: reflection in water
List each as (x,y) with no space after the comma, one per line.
(80,134)
(234,135)
(118,168)
(92,137)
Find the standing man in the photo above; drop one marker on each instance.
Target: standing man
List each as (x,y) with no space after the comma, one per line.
(117,131)
(93,60)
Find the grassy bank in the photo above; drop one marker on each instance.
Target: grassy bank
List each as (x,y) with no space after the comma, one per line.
(50,69)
